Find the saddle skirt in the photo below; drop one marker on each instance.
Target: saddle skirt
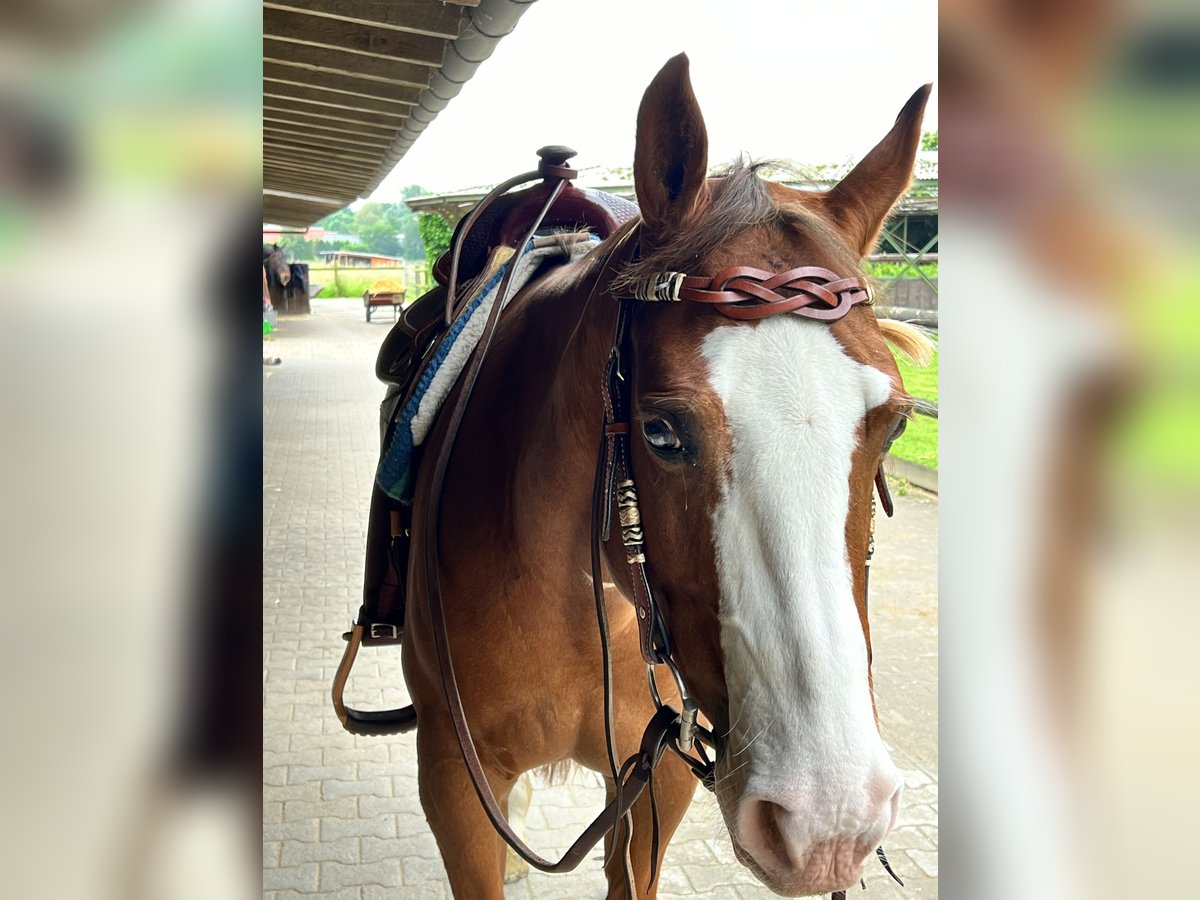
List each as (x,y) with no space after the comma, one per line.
(422,401)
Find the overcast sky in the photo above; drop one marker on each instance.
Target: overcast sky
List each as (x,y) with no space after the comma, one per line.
(808,81)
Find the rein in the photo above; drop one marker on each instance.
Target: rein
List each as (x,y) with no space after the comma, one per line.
(634,775)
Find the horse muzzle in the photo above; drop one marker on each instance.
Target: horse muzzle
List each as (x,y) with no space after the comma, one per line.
(801,841)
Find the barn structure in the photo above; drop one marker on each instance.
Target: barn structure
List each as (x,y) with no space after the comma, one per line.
(349,85)
(909,241)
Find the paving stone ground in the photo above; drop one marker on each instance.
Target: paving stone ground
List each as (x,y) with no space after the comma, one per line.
(341,817)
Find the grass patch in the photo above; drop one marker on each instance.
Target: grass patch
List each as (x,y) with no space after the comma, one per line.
(353,281)
(345,285)
(919,443)
(886,270)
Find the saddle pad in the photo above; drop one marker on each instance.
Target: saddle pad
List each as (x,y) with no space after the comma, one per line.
(394,475)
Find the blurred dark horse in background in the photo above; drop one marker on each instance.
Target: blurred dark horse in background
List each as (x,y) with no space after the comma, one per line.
(274,261)
(286,283)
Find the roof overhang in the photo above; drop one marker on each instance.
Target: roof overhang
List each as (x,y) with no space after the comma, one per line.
(349,85)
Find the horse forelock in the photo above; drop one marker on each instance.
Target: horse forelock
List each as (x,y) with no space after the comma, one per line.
(738,200)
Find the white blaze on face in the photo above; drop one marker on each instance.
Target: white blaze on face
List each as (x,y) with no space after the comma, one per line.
(803,730)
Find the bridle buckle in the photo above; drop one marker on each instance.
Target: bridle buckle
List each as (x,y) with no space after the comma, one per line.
(690,712)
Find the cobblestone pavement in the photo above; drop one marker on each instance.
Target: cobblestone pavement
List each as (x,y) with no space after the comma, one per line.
(341,817)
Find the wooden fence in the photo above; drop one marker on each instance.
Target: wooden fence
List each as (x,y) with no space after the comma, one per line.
(352,281)
(915,295)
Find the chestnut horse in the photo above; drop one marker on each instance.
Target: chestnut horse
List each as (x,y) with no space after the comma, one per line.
(755,444)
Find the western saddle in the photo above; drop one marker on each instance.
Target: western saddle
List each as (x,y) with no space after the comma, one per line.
(501,219)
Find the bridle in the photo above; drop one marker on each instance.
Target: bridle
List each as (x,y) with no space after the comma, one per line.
(740,293)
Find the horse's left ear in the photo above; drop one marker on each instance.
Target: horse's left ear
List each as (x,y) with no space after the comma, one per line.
(670,160)
(861,201)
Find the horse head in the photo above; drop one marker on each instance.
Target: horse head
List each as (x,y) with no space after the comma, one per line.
(276,263)
(755,444)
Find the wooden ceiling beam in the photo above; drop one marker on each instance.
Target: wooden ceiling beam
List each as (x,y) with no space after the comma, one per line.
(283,113)
(417,16)
(352,37)
(317,168)
(293,119)
(300,171)
(302,150)
(385,93)
(276,183)
(371,149)
(364,72)
(337,195)
(300,213)
(332,113)
(305,154)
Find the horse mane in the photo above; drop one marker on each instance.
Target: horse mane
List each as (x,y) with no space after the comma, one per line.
(739,199)
(910,340)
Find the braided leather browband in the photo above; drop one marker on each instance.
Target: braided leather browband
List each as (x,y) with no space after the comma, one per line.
(743,292)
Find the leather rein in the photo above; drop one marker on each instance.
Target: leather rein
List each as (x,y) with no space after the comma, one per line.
(739,293)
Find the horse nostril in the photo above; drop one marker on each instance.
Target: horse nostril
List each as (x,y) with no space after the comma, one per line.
(812,841)
(762,835)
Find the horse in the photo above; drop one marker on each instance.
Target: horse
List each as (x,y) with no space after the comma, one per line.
(287,283)
(755,442)
(276,266)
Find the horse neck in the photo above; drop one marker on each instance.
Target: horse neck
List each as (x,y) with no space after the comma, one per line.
(550,361)
(572,335)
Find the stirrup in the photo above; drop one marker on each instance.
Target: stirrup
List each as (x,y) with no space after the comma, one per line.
(373,722)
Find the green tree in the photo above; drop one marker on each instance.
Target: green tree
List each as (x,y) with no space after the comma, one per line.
(435,233)
(380,238)
(341,221)
(929,140)
(376,227)
(302,250)
(411,246)
(391,229)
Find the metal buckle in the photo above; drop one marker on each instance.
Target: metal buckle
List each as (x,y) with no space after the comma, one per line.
(384,631)
(687,718)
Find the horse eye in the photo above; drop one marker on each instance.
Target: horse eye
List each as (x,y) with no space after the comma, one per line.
(896,431)
(660,435)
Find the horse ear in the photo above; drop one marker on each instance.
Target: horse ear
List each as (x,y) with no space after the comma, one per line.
(671,157)
(861,201)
